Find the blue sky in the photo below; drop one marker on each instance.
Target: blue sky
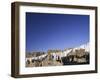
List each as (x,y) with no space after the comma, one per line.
(55,31)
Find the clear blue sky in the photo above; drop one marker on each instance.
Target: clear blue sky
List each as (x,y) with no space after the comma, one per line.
(55,31)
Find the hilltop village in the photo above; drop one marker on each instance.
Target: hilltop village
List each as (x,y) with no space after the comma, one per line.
(70,56)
